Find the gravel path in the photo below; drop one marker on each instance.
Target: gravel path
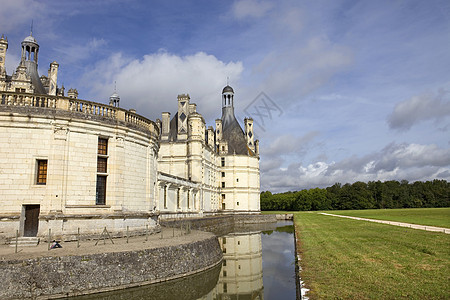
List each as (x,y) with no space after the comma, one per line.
(414,226)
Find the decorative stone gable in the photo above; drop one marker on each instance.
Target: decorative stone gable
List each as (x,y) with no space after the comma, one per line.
(183,114)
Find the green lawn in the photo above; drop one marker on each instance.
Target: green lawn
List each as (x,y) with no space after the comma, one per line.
(424,216)
(350,259)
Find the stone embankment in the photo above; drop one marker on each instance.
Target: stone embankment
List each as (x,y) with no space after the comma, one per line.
(68,274)
(288,217)
(221,224)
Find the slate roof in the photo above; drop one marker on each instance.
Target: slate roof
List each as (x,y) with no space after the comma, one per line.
(232,133)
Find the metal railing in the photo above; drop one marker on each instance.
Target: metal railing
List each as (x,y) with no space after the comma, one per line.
(127,236)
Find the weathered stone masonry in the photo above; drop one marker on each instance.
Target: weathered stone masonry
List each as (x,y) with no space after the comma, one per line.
(75,275)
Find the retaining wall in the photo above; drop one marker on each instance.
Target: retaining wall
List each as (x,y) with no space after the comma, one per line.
(51,277)
(220,225)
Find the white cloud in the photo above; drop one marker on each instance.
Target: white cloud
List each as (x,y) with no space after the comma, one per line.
(287,144)
(11,62)
(250,8)
(300,69)
(151,85)
(413,162)
(430,106)
(412,155)
(18,13)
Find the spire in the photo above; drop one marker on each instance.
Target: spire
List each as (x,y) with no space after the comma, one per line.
(31,29)
(227,105)
(114,99)
(232,132)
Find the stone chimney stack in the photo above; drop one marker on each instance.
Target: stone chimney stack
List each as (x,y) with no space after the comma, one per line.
(165,127)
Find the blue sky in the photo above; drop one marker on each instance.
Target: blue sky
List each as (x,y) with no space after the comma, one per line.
(359,90)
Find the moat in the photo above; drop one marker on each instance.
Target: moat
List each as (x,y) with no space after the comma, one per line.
(258,263)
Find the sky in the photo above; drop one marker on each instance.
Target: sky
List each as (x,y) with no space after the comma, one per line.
(340,91)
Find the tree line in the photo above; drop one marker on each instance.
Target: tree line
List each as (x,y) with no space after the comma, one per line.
(361,195)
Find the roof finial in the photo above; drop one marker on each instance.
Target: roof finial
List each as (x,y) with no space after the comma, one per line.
(115,90)
(31,29)
(228,79)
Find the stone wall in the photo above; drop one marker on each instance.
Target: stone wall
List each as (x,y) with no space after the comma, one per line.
(75,275)
(285,216)
(198,286)
(68,142)
(242,183)
(220,224)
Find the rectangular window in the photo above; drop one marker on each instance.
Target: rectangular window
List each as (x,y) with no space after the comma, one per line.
(224,263)
(225,290)
(193,198)
(223,184)
(102,146)
(101,165)
(178,198)
(237,203)
(100,198)
(102,168)
(188,200)
(41,176)
(223,161)
(223,174)
(165,197)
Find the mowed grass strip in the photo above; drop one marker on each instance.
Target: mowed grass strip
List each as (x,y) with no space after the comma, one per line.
(439,217)
(350,259)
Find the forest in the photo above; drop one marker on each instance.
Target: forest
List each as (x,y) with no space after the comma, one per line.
(361,195)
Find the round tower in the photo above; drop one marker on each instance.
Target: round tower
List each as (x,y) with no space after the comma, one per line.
(227,106)
(29,59)
(227,97)
(114,99)
(30,49)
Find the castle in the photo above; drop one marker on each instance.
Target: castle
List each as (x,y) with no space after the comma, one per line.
(69,164)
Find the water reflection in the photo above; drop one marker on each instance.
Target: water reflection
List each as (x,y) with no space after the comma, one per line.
(278,251)
(241,276)
(258,263)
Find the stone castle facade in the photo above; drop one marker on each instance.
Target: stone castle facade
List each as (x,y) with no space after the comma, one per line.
(69,164)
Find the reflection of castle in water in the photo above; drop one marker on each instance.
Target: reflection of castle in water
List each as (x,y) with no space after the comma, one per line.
(241,276)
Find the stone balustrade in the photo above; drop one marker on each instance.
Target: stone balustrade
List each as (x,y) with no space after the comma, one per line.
(15,99)
(23,99)
(92,108)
